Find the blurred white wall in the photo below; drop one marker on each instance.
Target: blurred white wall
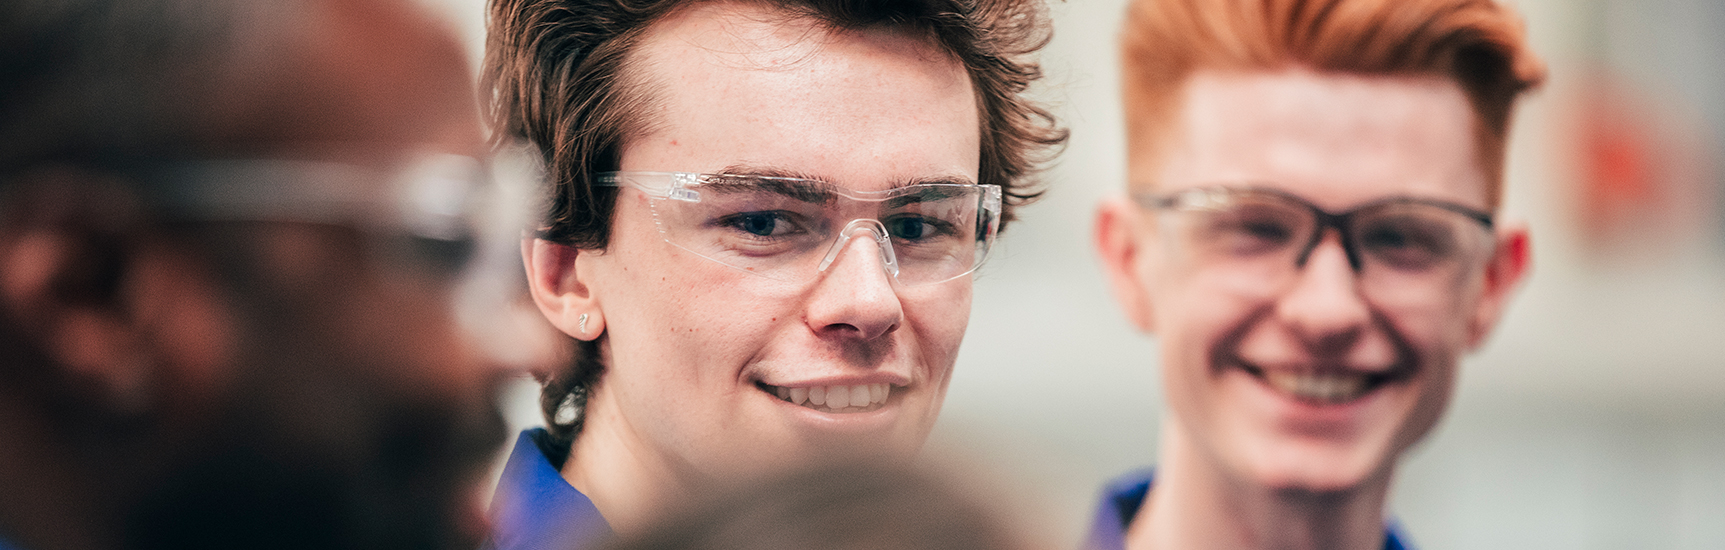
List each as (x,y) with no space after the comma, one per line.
(1595,418)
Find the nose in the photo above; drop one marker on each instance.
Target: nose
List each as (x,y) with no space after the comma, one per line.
(854,297)
(1325,308)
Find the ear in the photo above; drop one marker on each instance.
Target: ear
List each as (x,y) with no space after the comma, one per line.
(556,283)
(1509,264)
(66,292)
(1120,242)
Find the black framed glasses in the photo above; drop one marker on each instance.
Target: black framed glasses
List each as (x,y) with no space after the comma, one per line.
(1407,244)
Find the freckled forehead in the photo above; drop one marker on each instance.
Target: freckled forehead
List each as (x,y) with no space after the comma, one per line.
(738,83)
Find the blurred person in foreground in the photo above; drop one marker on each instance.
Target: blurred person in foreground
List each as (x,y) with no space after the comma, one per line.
(1311,235)
(834,507)
(762,221)
(230,233)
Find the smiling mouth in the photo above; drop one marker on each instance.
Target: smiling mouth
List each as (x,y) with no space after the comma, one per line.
(833,399)
(1324,387)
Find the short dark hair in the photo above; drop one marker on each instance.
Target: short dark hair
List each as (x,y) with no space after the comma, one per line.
(555,75)
(81,80)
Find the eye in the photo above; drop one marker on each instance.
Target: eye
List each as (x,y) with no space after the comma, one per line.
(1268,231)
(907,227)
(442,258)
(1254,229)
(1409,242)
(760,224)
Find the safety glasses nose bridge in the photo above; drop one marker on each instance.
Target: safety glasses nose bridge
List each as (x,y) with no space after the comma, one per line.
(875,230)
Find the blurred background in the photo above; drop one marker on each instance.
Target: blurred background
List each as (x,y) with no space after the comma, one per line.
(1594,418)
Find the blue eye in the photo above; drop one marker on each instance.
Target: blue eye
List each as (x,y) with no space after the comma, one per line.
(757,223)
(908,227)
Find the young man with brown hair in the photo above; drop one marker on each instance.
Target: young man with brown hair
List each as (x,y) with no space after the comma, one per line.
(1311,235)
(762,221)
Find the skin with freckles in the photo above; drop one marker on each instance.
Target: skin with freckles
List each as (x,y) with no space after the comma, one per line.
(689,342)
(1233,444)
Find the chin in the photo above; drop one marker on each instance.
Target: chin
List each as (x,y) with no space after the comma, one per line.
(1321,467)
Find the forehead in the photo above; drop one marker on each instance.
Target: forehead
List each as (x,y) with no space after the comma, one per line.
(1334,139)
(744,85)
(378,72)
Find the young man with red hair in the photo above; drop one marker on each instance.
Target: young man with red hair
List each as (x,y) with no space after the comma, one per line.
(1310,233)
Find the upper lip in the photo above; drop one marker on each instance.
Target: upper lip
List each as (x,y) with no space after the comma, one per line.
(1400,370)
(843,380)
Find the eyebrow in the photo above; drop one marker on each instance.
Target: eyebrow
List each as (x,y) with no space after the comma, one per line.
(925,194)
(796,186)
(811,188)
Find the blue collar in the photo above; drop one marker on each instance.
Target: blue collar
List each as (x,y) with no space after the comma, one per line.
(1125,494)
(536,508)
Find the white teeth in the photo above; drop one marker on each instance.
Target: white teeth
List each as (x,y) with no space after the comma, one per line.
(860,396)
(1325,387)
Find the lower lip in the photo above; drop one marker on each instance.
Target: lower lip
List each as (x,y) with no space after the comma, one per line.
(857,421)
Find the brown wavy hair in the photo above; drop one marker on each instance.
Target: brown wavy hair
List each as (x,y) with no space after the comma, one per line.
(557,76)
(1479,44)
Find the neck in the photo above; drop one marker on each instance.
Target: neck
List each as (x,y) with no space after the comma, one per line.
(1197,503)
(623,476)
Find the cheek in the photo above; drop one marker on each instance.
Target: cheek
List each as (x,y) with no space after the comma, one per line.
(678,319)
(937,316)
(1194,311)
(685,316)
(1439,331)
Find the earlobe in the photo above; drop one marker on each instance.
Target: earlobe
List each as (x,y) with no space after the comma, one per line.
(1118,242)
(1509,264)
(556,283)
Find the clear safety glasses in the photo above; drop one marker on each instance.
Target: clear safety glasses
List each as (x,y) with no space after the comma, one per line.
(1402,248)
(453,221)
(428,208)
(792,229)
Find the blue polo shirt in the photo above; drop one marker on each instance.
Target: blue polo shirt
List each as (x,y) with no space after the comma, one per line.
(1123,496)
(535,508)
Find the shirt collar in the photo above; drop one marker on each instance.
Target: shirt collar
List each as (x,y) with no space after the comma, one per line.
(536,508)
(1125,494)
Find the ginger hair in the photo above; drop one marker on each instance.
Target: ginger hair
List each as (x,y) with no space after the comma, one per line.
(1478,44)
